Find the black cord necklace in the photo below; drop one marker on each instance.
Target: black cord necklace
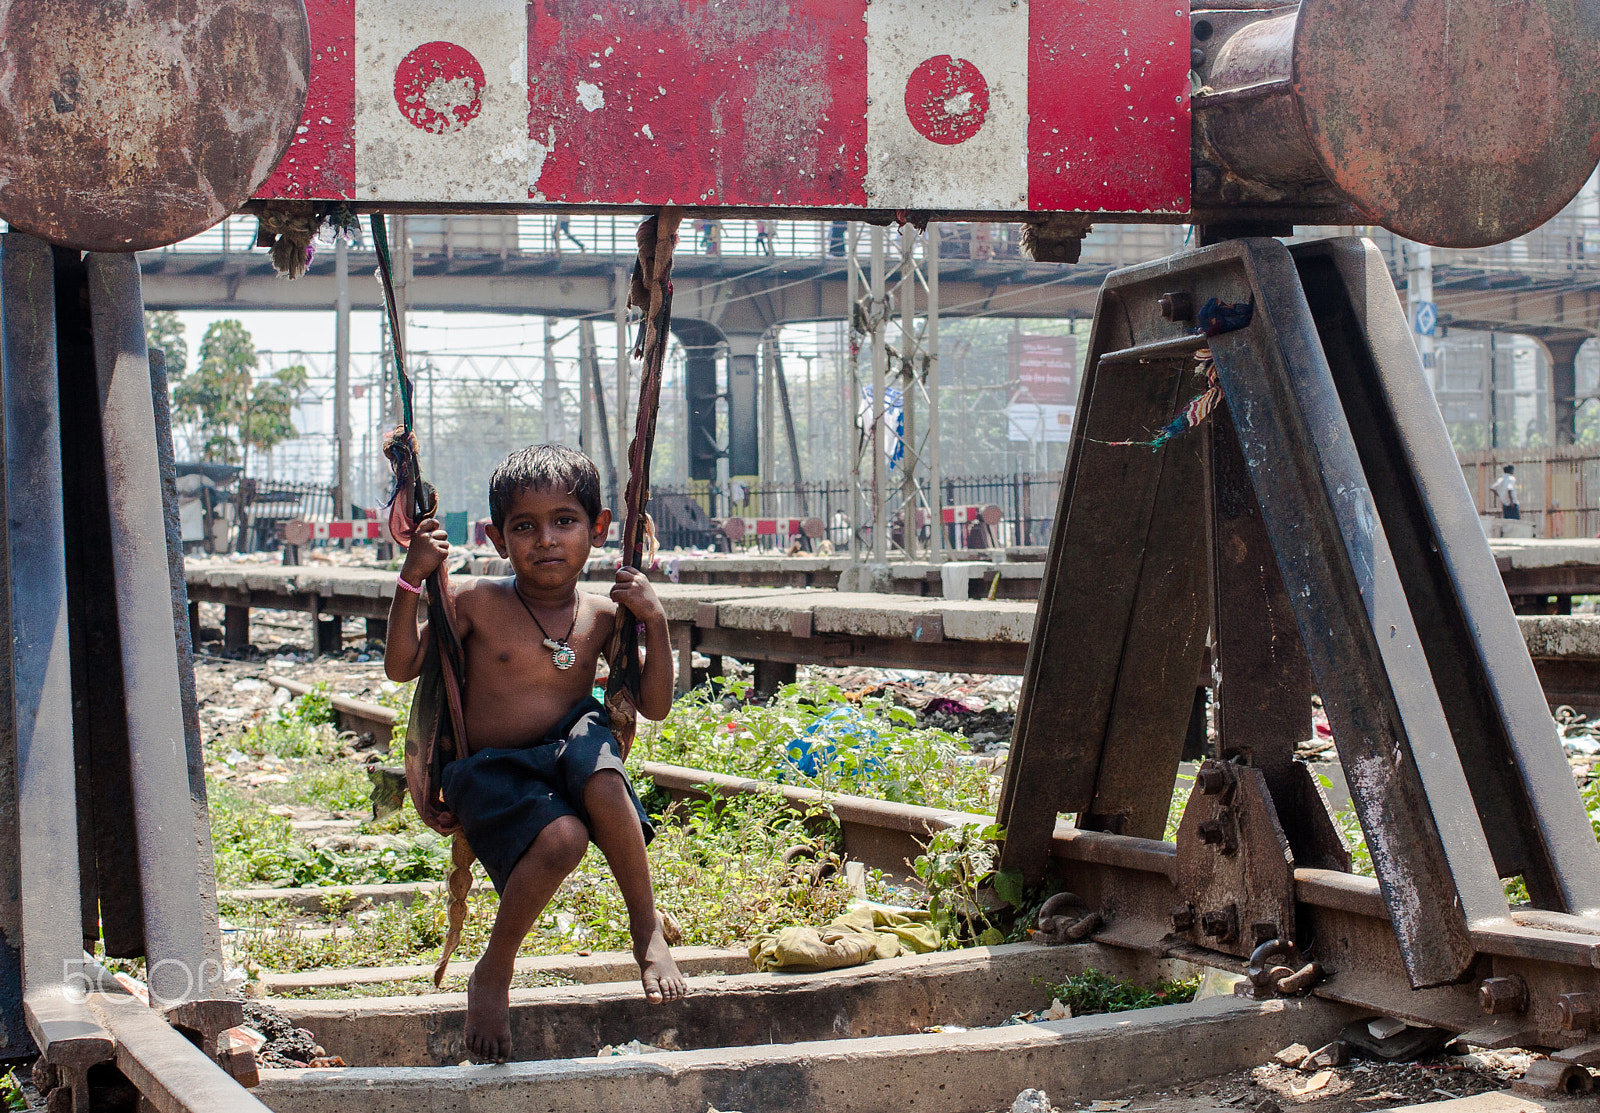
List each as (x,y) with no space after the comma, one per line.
(561,654)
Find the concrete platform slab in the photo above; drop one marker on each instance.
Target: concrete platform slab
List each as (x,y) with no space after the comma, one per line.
(974,987)
(949,1072)
(594,969)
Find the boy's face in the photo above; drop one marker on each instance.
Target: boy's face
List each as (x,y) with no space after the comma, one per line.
(547,536)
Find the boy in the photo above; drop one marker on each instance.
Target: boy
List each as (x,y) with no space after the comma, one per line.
(545,773)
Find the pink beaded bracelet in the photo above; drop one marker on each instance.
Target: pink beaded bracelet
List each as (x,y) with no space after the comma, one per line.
(400,580)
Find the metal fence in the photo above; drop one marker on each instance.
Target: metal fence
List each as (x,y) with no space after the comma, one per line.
(269,503)
(1558,489)
(686,517)
(504,236)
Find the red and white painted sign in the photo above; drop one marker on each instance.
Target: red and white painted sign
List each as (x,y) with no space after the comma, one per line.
(300,532)
(982,105)
(740,528)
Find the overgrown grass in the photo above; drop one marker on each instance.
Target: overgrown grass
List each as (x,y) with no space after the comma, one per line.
(825,738)
(718,870)
(1092,992)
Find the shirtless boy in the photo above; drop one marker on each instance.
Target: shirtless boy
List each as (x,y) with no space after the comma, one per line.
(545,774)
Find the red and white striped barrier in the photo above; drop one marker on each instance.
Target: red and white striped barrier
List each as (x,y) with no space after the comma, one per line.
(737,529)
(301,532)
(1050,105)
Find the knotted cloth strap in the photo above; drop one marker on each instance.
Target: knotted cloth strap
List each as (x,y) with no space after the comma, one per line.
(651,291)
(436,731)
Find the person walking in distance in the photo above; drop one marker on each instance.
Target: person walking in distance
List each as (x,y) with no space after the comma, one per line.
(1506,488)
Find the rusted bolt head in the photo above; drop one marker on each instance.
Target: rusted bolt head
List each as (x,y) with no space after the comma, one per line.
(1183,917)
(1214,777)
(1177,305)
(1197,57)
(1577,1010)
(1219,924)
(1508,994)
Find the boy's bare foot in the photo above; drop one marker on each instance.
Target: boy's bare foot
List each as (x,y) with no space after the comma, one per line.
(489,1020)
(657,970)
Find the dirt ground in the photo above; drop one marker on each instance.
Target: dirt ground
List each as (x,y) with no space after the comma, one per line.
(1361,1086)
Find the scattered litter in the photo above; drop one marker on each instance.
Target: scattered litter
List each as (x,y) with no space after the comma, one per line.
(1108,1106)
(842,729)
(1032,1101)
(247,1037)
(1312,1084)
(568,927)
(945,1029)
(1335,1054)
(1292,1056)
(632,1047)
(249,684)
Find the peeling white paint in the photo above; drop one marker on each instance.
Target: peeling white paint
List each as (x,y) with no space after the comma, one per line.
(648,134)
(591,96)
(537,153)
(398,161)
(989,169)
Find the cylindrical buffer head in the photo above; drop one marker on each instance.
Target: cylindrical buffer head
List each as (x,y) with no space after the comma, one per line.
(1454,124)
(128,126)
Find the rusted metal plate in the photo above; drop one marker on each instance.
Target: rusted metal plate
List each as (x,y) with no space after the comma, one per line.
(992,105)
(1452,123)
(1235,868)
(128,126)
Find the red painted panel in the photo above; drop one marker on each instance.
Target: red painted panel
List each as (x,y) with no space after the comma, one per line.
(1108,104)
(321,160)
(727,102)
(755,102)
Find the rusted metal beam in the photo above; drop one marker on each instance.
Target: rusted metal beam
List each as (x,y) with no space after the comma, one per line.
(171,1074)
(182,941)
(40,914)
(1517,772)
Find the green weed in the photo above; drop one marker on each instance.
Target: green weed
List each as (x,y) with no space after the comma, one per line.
(821,737)
(1092,992)
(342,787)
(397,698)
(958,862)
(11,1092)
(718,869)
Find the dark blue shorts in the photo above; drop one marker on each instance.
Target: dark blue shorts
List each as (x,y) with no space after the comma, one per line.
(504,796)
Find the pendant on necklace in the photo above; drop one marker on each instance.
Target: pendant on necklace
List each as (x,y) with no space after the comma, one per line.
(562,654)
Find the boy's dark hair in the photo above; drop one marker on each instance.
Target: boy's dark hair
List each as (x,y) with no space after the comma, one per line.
(544,467)
(1509,470)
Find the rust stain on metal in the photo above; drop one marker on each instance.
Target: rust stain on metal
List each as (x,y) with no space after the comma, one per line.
(129,125)
(1453,123)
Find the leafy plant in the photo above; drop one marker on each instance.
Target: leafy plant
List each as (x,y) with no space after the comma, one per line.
(339,788)
(11,1092)
(958,862)
(822,737)
(315,707)
(397,698)
(1092,992)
